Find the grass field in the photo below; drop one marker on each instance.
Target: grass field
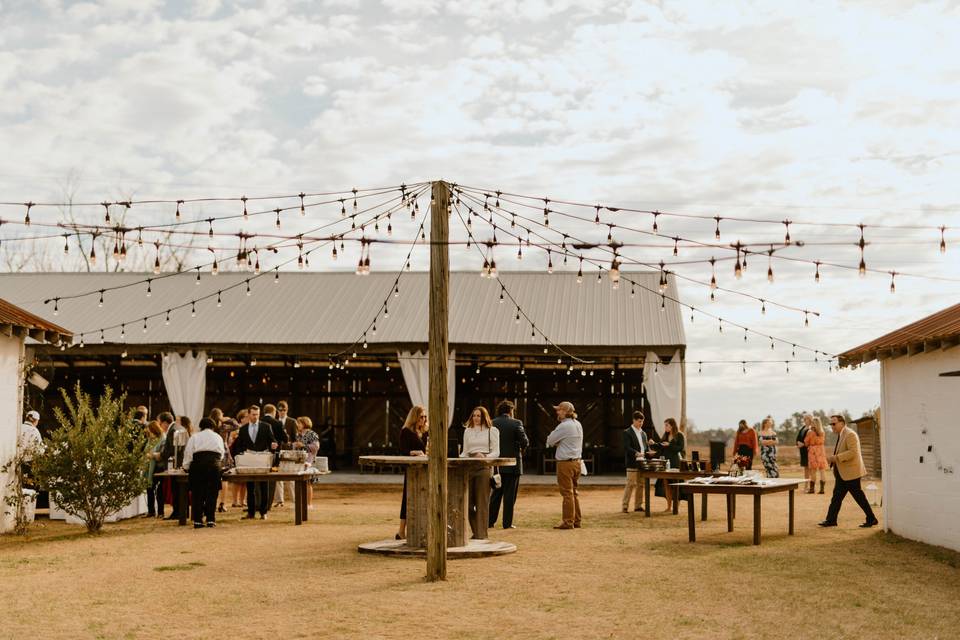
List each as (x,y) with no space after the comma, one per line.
(620,576)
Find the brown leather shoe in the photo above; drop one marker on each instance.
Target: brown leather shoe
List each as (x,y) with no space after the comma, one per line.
(564,526)
(576,525)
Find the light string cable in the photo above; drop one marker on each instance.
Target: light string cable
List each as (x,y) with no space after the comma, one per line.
(665,297)
(717,218)
(534,330)
(218,294)
(394,291)
(77,229)
(613,248)
(242,253)
(745,247)
(345,192)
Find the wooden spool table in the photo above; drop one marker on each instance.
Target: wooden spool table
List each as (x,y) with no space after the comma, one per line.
(459,543)
(731,491)
(299,484)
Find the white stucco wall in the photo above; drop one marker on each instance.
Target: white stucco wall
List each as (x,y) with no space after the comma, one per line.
(922,502)
(11,350)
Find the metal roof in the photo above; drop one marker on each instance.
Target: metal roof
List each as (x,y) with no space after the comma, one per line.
(940,330)
(13,317)
(322,308)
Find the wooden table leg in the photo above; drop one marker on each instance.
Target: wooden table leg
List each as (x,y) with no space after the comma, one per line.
(182,505)
(297,503)
(303,501)
(756,519)
(676,496)
(691,519)
(646,497)
(791,512)
(483,507)
(729,512)
(733,505)
(703,506)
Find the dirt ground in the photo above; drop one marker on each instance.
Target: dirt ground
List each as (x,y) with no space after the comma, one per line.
(620,576)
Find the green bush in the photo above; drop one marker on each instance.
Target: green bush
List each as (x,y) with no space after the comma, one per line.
(94,462)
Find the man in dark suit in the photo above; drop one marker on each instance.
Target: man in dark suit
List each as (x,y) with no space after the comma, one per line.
(635,448)
(280,436)
(166,421)
(255,436)
(290,431)
(513,440)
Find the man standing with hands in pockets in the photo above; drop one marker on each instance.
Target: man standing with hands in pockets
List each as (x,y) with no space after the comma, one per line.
(567,437)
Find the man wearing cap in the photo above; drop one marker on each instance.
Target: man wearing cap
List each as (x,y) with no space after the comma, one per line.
(30,444)
(567,437)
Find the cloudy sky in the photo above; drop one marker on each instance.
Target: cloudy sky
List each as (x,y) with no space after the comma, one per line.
(836,112)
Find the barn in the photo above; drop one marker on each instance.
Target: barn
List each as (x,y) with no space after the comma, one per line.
(307,337)
(920,435)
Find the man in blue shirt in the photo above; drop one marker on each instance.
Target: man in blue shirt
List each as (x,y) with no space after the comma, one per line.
(567,437)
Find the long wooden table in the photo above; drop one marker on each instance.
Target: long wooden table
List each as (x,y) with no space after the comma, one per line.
(731,491)
(459,471)
(299,489)
(672,475)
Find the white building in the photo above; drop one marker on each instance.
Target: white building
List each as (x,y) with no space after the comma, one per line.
(16,325)
(920,410)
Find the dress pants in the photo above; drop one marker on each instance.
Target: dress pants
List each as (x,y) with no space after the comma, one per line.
(633,484)
(204,485)
(157,495)
(507,493)
(258,498)
(478,503)
(840,490)
(568,477)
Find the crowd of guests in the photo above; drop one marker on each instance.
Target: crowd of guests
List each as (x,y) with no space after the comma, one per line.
(210,449)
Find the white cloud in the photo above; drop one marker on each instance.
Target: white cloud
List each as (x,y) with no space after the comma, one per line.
(822,112)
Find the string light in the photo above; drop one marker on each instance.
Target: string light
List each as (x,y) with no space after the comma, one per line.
(26,217)
(893,287)
(862,269)
(943,240)
(246,216)
(177,214)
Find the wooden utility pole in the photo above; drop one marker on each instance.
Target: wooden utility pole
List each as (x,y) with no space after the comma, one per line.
(437,409)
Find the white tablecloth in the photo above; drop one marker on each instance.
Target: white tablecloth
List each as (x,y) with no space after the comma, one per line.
(136,507)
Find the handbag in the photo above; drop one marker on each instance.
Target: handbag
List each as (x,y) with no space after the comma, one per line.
(496,481)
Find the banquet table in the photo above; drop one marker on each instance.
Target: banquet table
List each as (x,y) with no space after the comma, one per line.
(299,483)
(673,475)
(731,491)
(459,471)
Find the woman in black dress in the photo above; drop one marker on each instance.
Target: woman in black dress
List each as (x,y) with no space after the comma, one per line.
(673,448)
(413,442)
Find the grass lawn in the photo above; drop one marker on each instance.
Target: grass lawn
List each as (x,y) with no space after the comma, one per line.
(620,576)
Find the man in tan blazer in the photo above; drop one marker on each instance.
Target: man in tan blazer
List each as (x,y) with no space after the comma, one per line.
(847,463)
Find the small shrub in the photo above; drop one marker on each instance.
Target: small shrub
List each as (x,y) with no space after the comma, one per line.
(94,462)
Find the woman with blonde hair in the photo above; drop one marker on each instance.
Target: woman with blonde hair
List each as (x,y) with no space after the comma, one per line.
(816,454)
(480,440)
(768,448)
(413,442)
(308,440)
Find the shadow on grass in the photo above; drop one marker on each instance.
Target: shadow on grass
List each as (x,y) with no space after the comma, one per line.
(190,566)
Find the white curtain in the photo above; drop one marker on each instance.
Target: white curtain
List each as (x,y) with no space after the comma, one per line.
(416,375)
(662,383)
(185,378)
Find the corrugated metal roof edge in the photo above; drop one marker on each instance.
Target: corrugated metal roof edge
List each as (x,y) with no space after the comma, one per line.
(941,327)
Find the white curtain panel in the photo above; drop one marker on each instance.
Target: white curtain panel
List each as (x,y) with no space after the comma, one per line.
(662,385)
(185,378)
(416,375)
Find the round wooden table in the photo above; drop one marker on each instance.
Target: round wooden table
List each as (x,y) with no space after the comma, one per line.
(459,542)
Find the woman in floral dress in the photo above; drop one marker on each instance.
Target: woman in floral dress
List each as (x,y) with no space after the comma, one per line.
(768,448)
(308,440)
(817,456)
